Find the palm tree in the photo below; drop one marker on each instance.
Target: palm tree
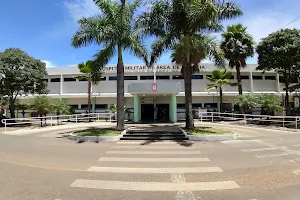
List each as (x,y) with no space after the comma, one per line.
(90,76)
(237,45)
(43,105)
(115,31)
(198,47)
(61,108)
(219,79)
(172,21)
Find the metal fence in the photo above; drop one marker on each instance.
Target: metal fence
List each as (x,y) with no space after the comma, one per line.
(278,121)
(57,119)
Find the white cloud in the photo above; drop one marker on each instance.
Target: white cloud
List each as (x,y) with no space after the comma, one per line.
(81,8)
(48,64)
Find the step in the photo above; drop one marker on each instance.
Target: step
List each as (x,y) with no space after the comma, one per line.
(154,138)
(153,134)
(149,131)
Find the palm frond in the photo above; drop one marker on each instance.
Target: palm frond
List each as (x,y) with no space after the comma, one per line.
(107,8)
(228,10)
(160,45)
(137,48)
(102,57)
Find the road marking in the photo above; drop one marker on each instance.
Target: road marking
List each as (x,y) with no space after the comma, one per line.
(272,155)
(155,186)
(155,170)
(296,145)
(182,195)
(155,152)
(116,159)
(153,147)
(42,167)
(141,143)
(259,149)
(290,151)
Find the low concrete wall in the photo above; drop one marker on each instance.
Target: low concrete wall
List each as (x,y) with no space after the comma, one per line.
(232,136)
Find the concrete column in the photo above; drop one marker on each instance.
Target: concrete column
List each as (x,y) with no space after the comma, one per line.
(277,83)
(173,108)
(251,82)
(136,108)
(93,104)
(61,84)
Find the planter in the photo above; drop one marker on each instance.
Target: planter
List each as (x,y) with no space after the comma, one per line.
(223,137)
(96,139)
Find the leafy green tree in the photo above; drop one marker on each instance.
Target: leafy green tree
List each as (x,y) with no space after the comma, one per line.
(22,107)
(20,74)
(247,102)
(280,51)
(237,45)
(42,104)
(179,20)
(219,78)
(268,103)
(90,76)
(114,30)
(61,108)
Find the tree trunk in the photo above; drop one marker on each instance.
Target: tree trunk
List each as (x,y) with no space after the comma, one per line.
(239,80)
(89,95)
(287,103)
(189,121)
(12,108)
(221,99)
(120,91)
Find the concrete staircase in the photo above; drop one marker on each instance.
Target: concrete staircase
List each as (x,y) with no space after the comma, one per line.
(153,134)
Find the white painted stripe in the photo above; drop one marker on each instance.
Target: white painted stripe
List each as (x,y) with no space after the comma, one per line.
(154,152)
(182,195)
(155,170)
(154,147)
(151,144)
(116,159)
(155,186)
(296,145)
(259,149)
(272,155)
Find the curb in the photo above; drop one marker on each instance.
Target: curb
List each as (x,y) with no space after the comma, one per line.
(211,138)
(96,139)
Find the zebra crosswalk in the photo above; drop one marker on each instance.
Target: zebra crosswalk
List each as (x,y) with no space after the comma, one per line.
(150,159)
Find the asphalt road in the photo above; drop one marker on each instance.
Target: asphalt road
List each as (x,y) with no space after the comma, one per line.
(262,164)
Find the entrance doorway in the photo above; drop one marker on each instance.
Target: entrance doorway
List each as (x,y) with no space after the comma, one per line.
(163,112)
(147,112)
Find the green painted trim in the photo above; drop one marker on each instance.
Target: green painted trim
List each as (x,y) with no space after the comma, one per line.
(218,103)
(136,107)
(93,101)
(173,108)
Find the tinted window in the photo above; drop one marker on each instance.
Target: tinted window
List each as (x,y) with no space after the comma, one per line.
(270,77)
(147,77)
(55,80)
(84,106)
(162,77)
(244,77)
(112,78)
(180,105)
(208,76)
(232,77)
(45,80)
(178,77)
(99,106)
(84,79)
(69,79)
(197,76)
(210,105)
(103,78)
(74,106)
(257,77)
(197,105)
(130,77)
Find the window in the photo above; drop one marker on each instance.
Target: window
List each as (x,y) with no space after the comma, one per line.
(101,106)
(197,76)
(84,106)
(178,77)
(257,77)
(130,77)
(270,77)
(293,79)
(112,78)
(210,105)
(209,76)
(147,77)
(232,77)
(69,79)
(196,105)
(55,80)
(180,105)
(45,80)
(84,79)
(162,77)
(74,107)
(103,78)
(244,77)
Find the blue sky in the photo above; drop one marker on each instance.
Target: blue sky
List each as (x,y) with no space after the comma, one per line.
(43,28)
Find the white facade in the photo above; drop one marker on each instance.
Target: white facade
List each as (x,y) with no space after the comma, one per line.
(62,85)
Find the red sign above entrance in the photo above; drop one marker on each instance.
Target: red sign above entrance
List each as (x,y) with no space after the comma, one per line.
(154,87)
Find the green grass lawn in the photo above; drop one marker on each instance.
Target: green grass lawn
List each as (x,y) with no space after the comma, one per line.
(98,132)
(208,131)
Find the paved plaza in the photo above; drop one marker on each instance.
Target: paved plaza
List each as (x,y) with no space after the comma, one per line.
(262,164)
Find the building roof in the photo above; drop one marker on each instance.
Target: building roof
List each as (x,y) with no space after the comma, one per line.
(141,68)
